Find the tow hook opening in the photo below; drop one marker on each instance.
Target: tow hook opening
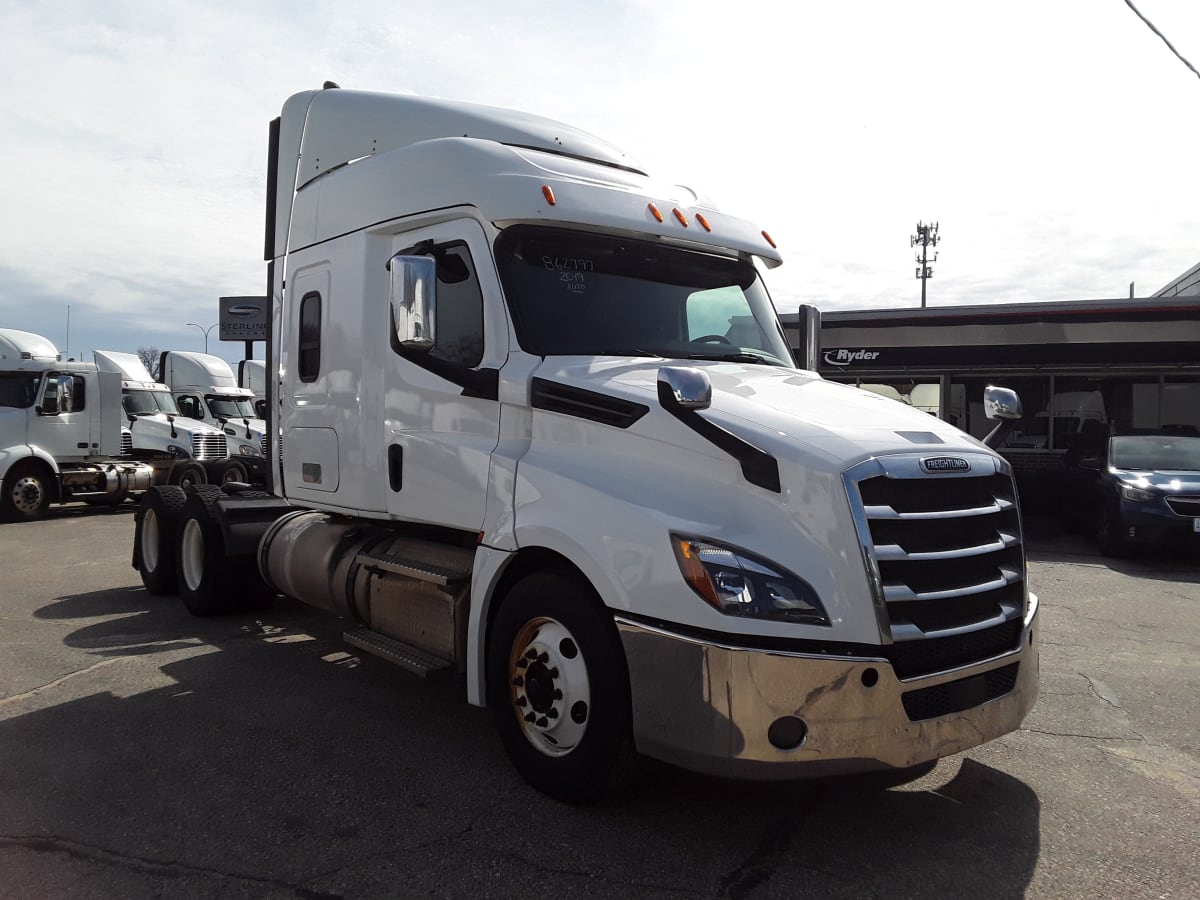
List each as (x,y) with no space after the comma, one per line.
(787,732)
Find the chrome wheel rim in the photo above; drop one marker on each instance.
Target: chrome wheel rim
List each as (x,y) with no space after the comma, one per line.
(150,540)
(192,554)
(27,494)
(549,686)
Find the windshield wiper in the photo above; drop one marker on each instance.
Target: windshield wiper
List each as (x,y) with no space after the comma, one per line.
(732,357)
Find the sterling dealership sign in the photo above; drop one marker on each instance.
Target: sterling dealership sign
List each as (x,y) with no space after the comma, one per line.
(243,318)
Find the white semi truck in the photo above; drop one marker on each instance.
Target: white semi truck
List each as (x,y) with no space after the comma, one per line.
(190,451)
(538,424)
(252,375)
(60,431)
(205,389)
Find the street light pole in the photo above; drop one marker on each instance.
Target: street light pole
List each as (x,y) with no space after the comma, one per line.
(206,331)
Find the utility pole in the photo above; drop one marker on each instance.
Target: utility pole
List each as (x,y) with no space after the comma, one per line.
(926,236)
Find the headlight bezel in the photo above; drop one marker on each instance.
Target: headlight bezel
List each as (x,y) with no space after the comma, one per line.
(1136,495)
(741,584)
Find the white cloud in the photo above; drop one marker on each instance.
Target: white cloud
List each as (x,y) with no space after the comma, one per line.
(1053,142)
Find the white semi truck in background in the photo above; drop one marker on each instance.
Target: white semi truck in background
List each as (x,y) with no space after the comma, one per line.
(533,419)
(252,375)
(205,389)
(191,451)
(60,431)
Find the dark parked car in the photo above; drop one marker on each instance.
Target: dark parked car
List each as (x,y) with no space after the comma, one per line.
(1136,489)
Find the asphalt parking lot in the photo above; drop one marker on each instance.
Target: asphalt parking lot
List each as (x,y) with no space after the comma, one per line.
(145,753)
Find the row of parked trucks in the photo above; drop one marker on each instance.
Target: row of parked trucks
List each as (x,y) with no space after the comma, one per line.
(106,431)
(532,419)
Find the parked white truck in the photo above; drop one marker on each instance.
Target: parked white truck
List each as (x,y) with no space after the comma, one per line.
(188,451)
(540,426)
(205,389)
(60,431)
(252,375)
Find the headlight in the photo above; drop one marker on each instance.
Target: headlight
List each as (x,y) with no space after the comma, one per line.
(739,584)
(1136,495)
(247,450)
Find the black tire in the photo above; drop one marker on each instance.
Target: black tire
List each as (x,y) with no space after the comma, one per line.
(188,474)
(154,537)
(235,470)
(209,582)
(1108,532)
(26,491)
(558,687)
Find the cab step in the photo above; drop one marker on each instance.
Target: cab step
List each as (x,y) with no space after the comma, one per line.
(414,659)
(423,560)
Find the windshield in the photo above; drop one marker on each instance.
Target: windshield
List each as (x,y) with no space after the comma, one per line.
(1166,452)
(144,403)
(19,389)
(230,407)
(576,293)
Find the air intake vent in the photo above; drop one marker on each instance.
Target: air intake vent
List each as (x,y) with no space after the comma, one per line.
(583,404)
(945,554)
(126,443)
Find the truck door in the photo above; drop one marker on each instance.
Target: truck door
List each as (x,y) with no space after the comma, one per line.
(442,414)
(62,426)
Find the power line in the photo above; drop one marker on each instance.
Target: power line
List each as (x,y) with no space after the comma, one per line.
(1171,47)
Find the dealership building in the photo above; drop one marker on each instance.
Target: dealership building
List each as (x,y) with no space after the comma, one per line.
(1079,367)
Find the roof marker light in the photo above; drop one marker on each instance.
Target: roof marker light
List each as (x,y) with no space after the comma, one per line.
(680,216)
(654,211)
(703,221)
(548,193)
(769,241)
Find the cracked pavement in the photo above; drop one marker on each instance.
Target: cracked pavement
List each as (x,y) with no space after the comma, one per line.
(144,753)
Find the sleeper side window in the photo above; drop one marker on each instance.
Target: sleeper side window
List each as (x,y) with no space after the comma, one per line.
(309,349)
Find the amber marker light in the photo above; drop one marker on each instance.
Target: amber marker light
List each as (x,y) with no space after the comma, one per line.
(769,241)
(680,216)
(654,211)
(548,193)
(693,570)
(703,221)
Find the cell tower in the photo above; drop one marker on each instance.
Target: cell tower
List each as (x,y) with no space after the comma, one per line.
(926,236)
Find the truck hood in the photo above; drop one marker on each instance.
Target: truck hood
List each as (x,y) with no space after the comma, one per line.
(157,423)
(789,413)
(236,428)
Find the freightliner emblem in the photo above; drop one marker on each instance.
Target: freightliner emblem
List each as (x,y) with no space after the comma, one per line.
(935,464)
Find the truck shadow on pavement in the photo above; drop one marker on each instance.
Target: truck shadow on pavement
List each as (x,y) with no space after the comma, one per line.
(257,755)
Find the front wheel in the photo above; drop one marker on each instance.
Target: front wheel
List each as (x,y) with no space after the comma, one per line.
(188,474)
(559,688)
(26,492)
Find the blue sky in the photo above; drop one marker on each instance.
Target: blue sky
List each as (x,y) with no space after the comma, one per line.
(1054,142)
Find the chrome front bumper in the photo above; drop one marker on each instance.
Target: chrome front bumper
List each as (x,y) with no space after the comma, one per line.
(708,706)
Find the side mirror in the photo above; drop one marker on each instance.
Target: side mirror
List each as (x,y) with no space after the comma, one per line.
(684,387)
(414,301)
(1003,404)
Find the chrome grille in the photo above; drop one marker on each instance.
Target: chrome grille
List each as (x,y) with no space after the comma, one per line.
(1185,505)
(944,553)
(264,446)
(209,446)
(127,443)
